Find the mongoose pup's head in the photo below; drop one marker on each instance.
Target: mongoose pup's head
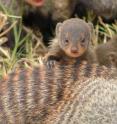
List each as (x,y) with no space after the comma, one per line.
(74,36)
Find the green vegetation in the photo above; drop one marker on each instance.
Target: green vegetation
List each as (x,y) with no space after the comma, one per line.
(26,52)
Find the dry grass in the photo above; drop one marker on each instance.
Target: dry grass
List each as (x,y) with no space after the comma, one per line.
(28,50)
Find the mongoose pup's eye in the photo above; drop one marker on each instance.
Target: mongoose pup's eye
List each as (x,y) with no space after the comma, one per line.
(82,41)
(66,41)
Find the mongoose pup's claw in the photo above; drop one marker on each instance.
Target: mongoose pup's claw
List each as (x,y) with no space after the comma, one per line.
(51,61)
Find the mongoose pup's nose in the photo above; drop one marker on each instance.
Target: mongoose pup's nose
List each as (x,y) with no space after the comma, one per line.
(74,50)
(37,0)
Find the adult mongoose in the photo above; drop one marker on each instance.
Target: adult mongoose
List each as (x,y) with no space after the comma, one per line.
(36,3)
(79,93)
(105,8)
(73,42)
(106,53)
(50,13)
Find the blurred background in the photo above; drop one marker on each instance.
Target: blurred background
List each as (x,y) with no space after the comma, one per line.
(28,26)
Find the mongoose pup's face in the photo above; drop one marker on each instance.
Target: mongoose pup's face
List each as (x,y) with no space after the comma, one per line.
(74,36)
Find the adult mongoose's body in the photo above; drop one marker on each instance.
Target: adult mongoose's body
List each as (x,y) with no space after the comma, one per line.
(107,53)
(78,93)
(105,8)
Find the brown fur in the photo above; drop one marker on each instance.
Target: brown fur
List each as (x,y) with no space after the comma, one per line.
(107,53)
(72,42)
(41,95)
(104,8)
(63,10)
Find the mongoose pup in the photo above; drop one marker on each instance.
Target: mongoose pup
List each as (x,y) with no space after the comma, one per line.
(73,42)
(78,93)
(107,53)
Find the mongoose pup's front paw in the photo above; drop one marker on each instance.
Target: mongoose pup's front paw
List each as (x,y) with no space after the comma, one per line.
(51,61)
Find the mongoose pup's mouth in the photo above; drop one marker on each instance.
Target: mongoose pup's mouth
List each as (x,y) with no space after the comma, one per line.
(74,52)
(35,2)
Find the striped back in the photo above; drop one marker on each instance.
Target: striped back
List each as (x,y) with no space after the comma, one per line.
(92,102)
(30,96)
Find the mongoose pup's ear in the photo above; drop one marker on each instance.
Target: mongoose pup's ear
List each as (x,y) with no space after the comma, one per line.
(112,57)
(91,27)
(58,29)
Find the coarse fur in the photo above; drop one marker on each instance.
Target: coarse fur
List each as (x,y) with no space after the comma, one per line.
(105,8)
(77,93)
(63,10)
(92,102)
(107,53)
(73,41)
